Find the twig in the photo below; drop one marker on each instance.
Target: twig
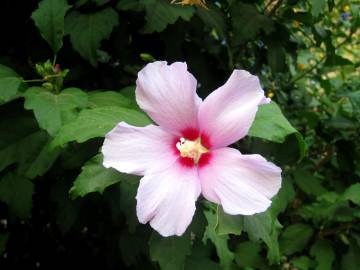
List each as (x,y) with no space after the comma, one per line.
(319,62)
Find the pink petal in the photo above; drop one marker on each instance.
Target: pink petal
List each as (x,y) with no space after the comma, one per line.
(167,93)
(242,184)
(167,199)
(227,113)
(137,150)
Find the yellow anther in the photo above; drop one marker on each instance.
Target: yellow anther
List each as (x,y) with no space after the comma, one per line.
(191,149)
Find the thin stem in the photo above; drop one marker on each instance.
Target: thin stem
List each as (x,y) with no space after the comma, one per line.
(54,61)
(34,80)
(295,79)
(52,76)
(47,77)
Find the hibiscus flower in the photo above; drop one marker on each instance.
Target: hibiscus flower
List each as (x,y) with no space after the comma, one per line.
(187,154)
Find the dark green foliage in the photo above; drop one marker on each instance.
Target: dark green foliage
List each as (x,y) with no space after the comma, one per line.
(67,75)
(9,83)
(170,252)
(16,191)
(49,19)
(88,30)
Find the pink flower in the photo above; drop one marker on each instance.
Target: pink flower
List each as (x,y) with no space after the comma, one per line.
(187,154)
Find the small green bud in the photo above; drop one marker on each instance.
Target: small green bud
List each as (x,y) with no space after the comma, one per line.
(48,67)
(147,57)
(48,86)
(40,70)
(64,72)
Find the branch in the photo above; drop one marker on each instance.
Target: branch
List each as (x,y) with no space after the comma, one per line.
(295,79)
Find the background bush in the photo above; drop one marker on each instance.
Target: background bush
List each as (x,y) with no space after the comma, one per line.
(67,76)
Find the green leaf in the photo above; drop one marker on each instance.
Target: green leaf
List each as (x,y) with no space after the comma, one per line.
(129,93)
(132,246)
(17,191)
(198,226)
(220,241)
(323,253)
(128,189)
(97,2)
(49,19)
(290,242)
(201,264)
(302,263)
(213,18)
(270,124)
(41,160)
(352,193)
(320,211)
(332,58)
(24,144)
(248,22)
(354,98)
(170,252)
(160,13)
(351,260)
(10,82)
(133,5)
(263,226)
(94,177)
(228,224)
(258,226)
(317,6)
(283,198)
(200,258)
(336,60)
(68,210)
(107,98)
(122,202)
(308,183)
(273,253)
(53,110)
(14,148)
(97,122)
(88,30)
(3,240)
(75,155)
(248,255)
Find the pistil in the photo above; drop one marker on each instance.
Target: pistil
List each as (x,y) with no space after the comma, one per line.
(191,149)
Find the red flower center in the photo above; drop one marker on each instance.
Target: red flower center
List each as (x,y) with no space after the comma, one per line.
(193,148)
